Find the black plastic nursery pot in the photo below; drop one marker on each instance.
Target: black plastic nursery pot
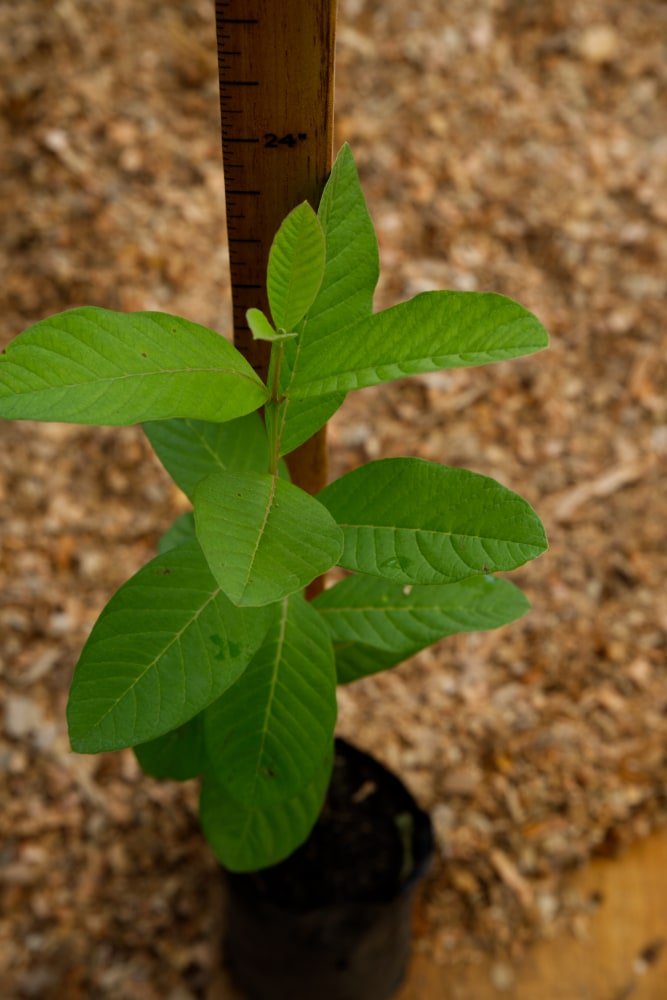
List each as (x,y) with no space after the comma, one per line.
(333,921)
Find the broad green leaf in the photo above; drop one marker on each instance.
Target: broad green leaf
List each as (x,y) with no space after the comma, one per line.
(193,449)
(95,366)
(345,295)
(352,261)
(167,644)
(431,331)
(300,419)
(247,838)
(261,329)
(296,266)
(376,624)
(266,736)
(418,522)
(180,532)
(176,756)
(263,537)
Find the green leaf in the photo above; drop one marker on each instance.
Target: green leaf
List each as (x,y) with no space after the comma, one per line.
(355,661)
(259,325)
(167,644)
(300,419)
(181,532)
(261,329)
(265,738)
(376,624)
(352,261)
(418,522)
(345,295)
(247,838)
(94,366)
(176,756)
(296,266)
(193,449)
(263,538)
(431,331)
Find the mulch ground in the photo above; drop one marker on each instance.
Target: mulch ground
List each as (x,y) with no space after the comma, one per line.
(503,145)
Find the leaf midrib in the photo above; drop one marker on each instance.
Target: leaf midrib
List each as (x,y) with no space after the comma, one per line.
(438,360)
(260,534)
(404,609)
(105,380)
(272,692)
(436,531)
(203,441)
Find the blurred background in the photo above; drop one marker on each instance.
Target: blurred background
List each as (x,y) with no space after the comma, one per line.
(507,145)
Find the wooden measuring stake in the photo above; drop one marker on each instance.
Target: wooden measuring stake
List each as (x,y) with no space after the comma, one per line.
(276,67)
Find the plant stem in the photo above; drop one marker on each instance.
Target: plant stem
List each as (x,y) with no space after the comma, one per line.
(277,355)
(272,421)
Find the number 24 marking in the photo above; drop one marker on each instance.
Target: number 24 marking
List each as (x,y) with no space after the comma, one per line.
(272,141)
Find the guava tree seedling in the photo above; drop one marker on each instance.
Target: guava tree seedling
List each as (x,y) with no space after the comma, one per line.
(209,661)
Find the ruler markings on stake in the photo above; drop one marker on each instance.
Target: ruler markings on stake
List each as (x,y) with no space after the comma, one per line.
(276,132)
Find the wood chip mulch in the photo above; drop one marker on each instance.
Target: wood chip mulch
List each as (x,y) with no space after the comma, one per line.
(503,145)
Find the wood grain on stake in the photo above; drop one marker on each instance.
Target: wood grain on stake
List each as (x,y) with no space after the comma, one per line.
(276,63)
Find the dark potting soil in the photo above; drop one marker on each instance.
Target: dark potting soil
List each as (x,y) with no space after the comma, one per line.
(363,846)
